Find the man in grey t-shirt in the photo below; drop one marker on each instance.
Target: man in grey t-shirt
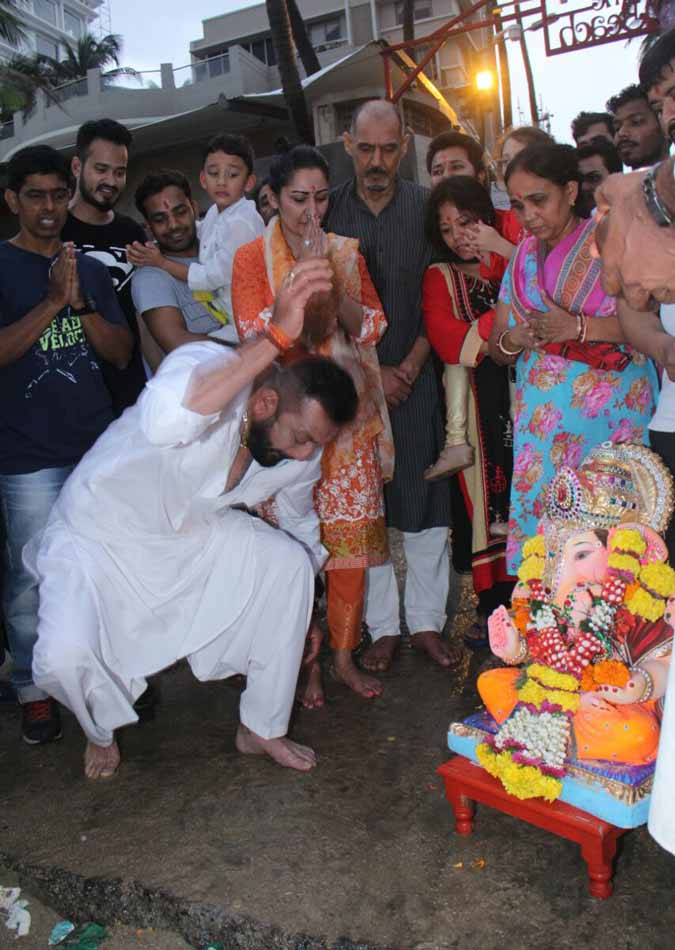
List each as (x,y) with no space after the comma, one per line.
(167,305)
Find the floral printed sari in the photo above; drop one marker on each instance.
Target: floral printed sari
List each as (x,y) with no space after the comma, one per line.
(566,404)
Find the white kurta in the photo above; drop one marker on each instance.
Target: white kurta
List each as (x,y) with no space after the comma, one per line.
(662,809)
(144,533)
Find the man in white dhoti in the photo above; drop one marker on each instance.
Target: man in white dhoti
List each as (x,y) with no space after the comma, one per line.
(148,556)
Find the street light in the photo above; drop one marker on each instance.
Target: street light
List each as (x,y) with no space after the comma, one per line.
(484,80)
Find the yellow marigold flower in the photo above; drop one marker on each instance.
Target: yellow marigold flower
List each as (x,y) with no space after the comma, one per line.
(628,539)
(659,579)
(624,562)
(643,605)
(549,677)
(533,693)
(535,545)
(521,781)
(531,569)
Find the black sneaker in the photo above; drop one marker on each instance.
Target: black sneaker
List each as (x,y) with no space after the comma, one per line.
(41,722)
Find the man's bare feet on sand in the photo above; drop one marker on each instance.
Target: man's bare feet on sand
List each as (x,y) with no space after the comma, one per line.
(101,761)
(291,755)
(380,654)
(348,673)
(310,693)
(429,642)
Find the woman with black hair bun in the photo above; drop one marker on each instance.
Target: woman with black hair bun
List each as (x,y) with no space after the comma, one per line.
(577,383)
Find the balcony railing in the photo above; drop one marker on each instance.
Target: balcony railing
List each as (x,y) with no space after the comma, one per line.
(69,90)
(149,79)
(202,69)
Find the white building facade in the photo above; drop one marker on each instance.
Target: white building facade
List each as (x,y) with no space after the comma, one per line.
(49,25)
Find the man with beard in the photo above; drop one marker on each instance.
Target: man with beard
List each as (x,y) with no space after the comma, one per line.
(386,213)
(637,134)
(150,554)
(637,241)
(97,230)
(167,305)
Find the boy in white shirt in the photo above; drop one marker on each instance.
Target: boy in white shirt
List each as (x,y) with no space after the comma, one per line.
(232,220)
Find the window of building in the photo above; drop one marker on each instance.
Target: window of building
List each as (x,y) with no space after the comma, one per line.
(327,31)
(422,119)
(423,10)
(46,10)
(72,24)
(262,50)
(343,113)
(46,46)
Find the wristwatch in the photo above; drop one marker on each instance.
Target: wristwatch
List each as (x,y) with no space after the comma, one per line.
(657,209)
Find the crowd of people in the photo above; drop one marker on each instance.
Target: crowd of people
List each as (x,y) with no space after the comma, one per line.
(201,413)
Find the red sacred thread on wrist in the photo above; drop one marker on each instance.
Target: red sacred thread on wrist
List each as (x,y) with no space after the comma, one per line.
(279,337)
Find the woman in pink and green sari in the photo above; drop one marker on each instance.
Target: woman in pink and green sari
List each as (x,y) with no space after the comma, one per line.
(577,383)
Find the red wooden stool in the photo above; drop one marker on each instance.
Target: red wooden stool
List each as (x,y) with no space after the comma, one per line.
(466,783)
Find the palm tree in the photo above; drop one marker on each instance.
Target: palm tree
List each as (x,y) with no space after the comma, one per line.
(10,28)
(303,44)
(23,76)
(89,53)
(280,27)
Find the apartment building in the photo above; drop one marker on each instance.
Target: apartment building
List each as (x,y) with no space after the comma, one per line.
(338,27)
(49,25)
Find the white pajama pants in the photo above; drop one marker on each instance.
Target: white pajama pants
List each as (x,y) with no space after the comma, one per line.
(265,643)
(662,809)
(426,587)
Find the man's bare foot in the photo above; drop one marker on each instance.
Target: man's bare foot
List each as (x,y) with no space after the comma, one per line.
(310,693)
(380,654)
(291,755)
(347,673)
(101,761)
(428,641)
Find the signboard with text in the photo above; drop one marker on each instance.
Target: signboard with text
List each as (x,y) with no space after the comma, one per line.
(571,25)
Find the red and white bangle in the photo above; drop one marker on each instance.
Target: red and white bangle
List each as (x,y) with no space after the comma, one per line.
(279,338)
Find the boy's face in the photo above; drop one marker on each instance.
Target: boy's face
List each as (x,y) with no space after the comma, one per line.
(225,178)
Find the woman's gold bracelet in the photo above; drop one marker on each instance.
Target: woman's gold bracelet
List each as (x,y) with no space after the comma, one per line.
(502,349)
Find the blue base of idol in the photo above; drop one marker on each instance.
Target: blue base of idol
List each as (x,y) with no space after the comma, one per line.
(619,794)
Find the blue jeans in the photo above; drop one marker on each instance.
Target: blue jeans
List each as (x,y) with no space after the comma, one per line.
(26,502)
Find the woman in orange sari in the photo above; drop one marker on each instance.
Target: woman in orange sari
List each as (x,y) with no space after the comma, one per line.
(345,327)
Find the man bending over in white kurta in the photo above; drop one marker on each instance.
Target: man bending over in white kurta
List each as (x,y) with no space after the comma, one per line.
(150,554)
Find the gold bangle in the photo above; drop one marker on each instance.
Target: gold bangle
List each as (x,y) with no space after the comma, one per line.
(502,349)
(279,338)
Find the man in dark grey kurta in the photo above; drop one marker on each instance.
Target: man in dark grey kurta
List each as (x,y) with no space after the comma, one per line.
(386,214)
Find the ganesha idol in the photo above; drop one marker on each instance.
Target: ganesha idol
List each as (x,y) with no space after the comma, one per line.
(588,639)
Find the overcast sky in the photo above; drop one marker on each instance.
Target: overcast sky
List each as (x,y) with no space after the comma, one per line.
(156,31)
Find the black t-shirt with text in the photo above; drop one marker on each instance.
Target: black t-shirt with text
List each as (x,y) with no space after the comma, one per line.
(54,403)
(107,243)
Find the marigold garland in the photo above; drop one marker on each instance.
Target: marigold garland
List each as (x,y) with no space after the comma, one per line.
(628,539)
(643,605)
(535,545)
(658,579)
(532,568)
(521,781)
(625,564)
(551,678)
(533,693)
